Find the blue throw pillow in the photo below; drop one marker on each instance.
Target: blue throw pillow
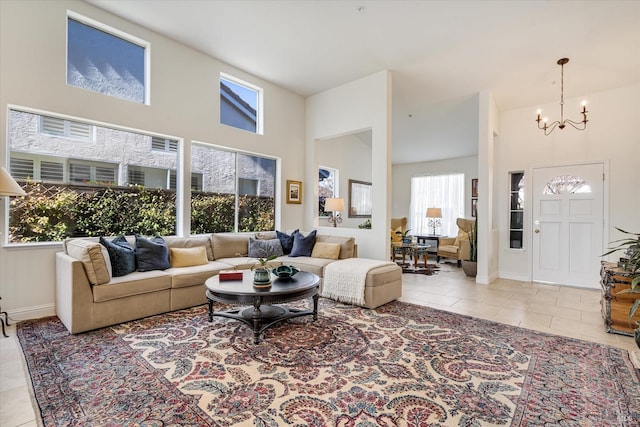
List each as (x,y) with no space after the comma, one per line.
(286,241)
(264,248)
(121,255)
(303,246)
(152,254)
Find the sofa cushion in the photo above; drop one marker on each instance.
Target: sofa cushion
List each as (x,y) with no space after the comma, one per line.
(286,240)
(151,254)
(184,277)
(94,258)
(462,236)
(187,257)
(229,245)
(121,255)
(303,245)
(326,250)
(395,237)
(244,263)
(264,248)
(135,283)
(191,242)
(304,263)
(347,244)
(265,235)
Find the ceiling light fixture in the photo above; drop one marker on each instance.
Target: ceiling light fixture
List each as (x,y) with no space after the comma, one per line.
(548,128)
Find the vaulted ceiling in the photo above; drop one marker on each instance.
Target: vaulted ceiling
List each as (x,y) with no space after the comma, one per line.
(441,53)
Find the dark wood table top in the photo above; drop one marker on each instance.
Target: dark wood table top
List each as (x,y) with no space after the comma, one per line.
(300,282)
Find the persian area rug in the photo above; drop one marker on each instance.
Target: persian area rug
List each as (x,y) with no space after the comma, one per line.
(399,365)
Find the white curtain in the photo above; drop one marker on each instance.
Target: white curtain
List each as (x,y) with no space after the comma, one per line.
(438,191)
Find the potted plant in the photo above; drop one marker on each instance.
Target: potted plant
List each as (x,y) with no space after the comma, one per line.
(631,263)
(262,272)
(470,266)
(406,238)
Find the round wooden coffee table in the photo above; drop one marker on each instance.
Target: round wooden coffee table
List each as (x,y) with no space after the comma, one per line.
(263,312)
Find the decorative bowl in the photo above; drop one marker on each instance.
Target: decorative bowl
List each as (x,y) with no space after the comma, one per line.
(285,272)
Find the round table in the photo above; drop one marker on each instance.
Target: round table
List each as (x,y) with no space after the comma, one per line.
(263,311)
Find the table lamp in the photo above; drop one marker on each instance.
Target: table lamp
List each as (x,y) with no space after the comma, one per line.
(433,217)
(335,205)
(8,187)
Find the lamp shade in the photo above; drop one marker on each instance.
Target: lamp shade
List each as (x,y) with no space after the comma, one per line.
(334,205)
(8,185)
(434,213)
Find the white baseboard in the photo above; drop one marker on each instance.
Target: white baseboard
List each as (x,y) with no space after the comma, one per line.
(34,312)
(513,276)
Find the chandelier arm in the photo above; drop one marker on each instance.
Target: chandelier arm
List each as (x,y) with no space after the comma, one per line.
(578,125)
(550,128)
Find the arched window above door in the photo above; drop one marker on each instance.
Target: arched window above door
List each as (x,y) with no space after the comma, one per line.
(566,184)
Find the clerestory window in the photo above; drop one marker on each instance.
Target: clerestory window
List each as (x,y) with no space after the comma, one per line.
(240,104)
(105,60)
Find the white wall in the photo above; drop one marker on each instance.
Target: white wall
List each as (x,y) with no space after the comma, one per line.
(184,104)
(360,105)
(612,135)
(403,172)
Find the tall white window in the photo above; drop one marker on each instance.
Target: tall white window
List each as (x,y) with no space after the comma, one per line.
(327,187)
(438,191)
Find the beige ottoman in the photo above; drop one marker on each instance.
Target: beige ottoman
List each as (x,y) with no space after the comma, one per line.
(383,283)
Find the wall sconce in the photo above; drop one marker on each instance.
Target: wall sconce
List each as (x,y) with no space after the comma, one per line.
(335,205)
(433,218)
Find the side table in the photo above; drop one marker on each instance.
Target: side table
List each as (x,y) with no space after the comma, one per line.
(430,240)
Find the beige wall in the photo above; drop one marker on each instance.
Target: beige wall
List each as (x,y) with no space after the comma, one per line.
(184,104)
(612,136)
(360,105)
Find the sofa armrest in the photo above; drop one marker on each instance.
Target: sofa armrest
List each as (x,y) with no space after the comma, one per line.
(74,297)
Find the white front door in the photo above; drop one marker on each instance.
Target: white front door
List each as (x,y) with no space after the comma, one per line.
(568,203)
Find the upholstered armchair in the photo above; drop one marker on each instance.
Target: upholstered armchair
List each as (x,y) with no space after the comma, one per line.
(397,224)
(458,247)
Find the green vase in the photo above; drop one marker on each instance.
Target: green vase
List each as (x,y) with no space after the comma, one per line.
(261,277)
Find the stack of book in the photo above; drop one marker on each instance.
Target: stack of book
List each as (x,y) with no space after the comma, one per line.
(230,275)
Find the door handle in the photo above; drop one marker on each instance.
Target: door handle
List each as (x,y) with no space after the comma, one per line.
(536,231)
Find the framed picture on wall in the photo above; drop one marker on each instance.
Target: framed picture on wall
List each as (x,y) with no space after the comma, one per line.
(294,191)
(474,187)
(474,207)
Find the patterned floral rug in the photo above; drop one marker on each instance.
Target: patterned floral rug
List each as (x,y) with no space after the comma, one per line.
(400,365)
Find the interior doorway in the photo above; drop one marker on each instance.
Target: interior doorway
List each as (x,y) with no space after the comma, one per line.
(568,224)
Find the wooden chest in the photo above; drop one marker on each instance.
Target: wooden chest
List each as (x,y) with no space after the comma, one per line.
(615,306)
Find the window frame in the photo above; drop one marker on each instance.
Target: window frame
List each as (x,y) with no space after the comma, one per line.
(100,26)
(510,211)
(259,101)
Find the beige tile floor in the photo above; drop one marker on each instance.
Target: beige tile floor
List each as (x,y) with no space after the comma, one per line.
(558,310)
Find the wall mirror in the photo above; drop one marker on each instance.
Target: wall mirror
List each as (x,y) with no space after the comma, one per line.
(359,199)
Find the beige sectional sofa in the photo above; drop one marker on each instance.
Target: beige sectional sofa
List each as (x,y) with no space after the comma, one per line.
(88,297)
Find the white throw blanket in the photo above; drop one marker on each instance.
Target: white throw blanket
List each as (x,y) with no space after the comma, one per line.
(344,280)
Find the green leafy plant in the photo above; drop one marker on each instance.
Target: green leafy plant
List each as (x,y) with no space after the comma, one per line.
(404,234)
(631,246)
(473,242)
(365,225)
(264,263)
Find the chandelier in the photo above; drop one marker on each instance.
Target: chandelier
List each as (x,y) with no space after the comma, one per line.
(548,128)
